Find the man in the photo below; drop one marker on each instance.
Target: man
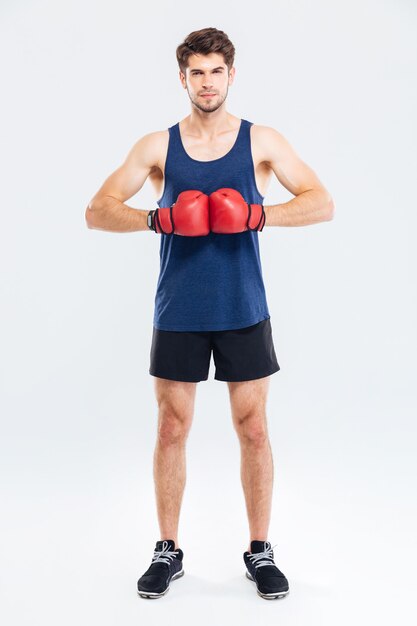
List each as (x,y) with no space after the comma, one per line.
(212,170)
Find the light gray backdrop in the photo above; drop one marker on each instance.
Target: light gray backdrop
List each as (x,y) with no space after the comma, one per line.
(81,82)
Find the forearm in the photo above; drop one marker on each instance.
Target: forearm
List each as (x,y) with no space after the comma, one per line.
(309,207)
(111,214)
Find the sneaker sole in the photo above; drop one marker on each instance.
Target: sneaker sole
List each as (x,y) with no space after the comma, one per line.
(268,596)
(155,594)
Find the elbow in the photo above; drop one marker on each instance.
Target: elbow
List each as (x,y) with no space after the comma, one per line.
(87,217)
(330,209)
(91,215)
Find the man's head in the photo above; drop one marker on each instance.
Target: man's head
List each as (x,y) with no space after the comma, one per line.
(205,59)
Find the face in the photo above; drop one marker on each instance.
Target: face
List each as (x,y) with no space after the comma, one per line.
(207,74)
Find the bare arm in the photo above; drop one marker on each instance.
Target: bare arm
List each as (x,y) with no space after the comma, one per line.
(106,210)
(312,204)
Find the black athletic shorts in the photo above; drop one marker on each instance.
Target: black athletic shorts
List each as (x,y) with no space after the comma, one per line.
(239,354)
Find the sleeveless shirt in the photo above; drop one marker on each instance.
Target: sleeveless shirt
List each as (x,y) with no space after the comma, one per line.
(211,282)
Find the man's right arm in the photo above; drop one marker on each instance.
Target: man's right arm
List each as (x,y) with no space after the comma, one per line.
(106,210)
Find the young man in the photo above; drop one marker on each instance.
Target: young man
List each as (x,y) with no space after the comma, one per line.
(210,172)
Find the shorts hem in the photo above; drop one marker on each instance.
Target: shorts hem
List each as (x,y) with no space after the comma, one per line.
(180,380)
(239,380)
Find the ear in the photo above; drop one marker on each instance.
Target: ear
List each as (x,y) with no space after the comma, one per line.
(182,79)
(232,75)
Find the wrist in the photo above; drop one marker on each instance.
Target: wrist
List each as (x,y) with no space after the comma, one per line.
(150,220)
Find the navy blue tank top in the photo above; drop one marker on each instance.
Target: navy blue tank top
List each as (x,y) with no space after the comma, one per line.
(211,282)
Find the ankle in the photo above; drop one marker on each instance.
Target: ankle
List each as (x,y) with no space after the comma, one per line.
(175,542)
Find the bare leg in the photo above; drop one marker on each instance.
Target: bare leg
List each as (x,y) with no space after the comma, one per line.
(175,413)
(248,403)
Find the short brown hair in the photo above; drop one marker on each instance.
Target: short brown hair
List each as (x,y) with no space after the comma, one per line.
(205,41)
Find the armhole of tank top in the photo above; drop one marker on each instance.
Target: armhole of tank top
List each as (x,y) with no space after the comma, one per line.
(253,164)
(165,168)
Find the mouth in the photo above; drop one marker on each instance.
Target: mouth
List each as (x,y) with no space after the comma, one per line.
(207,95)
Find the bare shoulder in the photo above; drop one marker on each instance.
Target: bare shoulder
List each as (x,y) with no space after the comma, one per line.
(150,149)
(290,169)
(269,142)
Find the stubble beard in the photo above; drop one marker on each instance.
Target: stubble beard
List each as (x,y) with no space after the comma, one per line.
(208,108)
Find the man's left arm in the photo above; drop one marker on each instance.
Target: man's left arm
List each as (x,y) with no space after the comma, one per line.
(312,202)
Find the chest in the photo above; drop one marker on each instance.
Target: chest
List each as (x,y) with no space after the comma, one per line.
(211,150)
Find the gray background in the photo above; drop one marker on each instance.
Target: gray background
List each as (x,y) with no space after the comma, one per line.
(81,82)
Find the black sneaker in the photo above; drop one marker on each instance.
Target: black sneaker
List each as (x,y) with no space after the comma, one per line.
(166,566)
(260,567)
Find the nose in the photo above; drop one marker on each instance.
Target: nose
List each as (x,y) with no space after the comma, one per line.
(207,83)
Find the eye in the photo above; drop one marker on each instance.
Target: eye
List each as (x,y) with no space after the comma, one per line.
(216,71)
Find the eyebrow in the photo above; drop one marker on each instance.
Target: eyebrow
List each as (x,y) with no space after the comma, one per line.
(196,69)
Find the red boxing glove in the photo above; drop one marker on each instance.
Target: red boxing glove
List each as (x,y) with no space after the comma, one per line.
(230,213)
(188,216)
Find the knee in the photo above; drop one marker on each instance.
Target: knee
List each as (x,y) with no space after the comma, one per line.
(172,429)
(252,430)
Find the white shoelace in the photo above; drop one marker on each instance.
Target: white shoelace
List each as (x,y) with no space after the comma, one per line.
(164,555)
(263,558)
